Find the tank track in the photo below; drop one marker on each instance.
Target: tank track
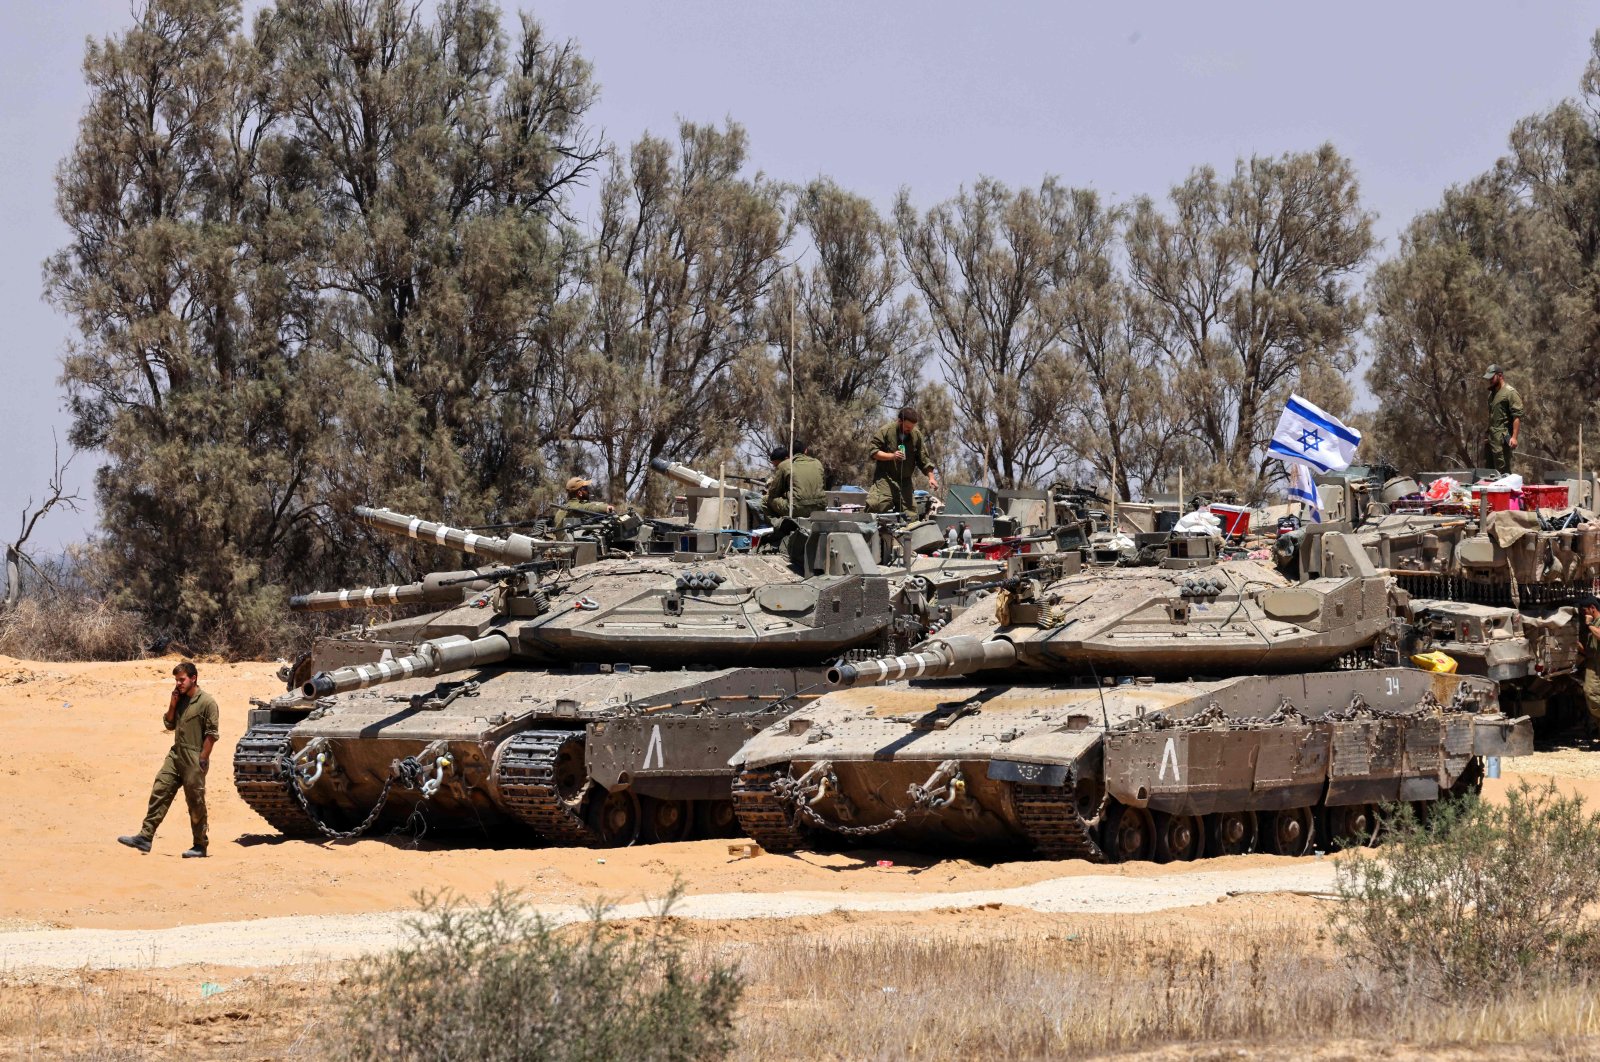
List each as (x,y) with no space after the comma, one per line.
(527,782)
(261,786)
(1050,816)
(766,819)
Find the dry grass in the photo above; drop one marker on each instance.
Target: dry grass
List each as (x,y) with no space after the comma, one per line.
(1108,989)
(1277,990)
(70,627)
(99,1015)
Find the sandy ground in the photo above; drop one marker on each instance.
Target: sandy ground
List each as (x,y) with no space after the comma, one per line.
(83,742)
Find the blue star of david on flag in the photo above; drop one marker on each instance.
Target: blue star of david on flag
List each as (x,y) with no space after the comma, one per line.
(1311,436)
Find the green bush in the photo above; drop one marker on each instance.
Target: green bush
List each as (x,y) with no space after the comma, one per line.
(1478,896)
(499,982)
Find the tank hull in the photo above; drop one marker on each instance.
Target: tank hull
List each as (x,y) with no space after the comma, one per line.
(1069,771)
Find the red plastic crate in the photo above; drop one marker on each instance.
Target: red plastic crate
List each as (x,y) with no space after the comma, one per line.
(1544,496)
(1235,519)
(1500,501)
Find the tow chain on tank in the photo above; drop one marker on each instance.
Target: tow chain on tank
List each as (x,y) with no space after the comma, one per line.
(943,788)
(528,786)
(1358,708)
(407,772)
(258,778)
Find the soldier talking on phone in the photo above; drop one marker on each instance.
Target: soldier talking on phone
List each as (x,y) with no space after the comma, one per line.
(192,718)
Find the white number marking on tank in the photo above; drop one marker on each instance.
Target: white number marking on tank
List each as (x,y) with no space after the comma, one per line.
(654,749)
(1169,753)
(1391,685)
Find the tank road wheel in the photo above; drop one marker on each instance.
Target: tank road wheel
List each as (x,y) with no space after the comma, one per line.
(614,817)
(570,774)
(1231,832)
(1130,834)
(1352,825)
(667,820)
(1179,838)
(715,818)
(1290,831)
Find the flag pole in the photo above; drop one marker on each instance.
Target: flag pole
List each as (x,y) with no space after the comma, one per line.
(793,294)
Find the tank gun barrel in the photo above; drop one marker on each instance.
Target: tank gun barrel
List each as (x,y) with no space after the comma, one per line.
(436,588)
(512,549)
(433,657)
(940,658)
(691,478)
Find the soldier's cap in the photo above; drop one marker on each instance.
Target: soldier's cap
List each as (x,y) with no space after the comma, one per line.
(578,482)
(1492,371)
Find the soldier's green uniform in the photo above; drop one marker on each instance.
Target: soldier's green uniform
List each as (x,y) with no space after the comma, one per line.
(562,515)
(892,490)
(806,474)
(194,721)
(1505,407)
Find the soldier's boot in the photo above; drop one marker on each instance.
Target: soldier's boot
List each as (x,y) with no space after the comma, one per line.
(195,853)
(139,841)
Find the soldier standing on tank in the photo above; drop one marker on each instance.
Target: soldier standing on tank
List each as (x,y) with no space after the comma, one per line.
(1505,418)
(192,718)
(898,450)
(578,498)
(806,475)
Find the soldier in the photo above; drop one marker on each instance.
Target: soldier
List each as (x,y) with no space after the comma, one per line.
(192,718)
(1505,417)
(897,451)
(806,474)
(578,498)
(1589,638)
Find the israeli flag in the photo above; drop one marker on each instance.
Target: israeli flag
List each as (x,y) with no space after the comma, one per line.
(1303,488)
(1306,435)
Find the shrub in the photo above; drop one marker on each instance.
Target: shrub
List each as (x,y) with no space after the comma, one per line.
(1478,896)
(63,615)
(499,982)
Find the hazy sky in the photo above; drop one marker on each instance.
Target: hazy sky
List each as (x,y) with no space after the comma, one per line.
(1122,98)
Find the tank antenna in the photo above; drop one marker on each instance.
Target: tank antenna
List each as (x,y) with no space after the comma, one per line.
(794,292)
(1105,720)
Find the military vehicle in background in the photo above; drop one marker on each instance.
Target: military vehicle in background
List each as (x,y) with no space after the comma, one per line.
(1117,713)
(591,692)
(1492,589)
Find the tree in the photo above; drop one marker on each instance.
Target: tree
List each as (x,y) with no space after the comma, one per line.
(1249,286)
(55,495)
(1444,311)
(1505,270)
(321,264)
(442,165)
(686,253)
(857,335)
(994,268)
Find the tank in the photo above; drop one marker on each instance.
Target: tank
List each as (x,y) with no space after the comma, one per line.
(1126,713)
(579,699)
(1494,590)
